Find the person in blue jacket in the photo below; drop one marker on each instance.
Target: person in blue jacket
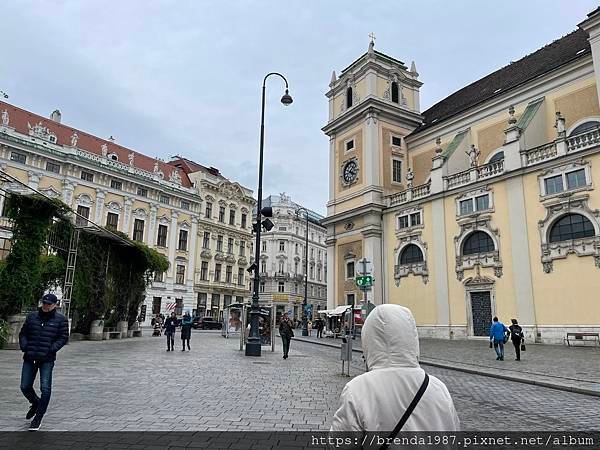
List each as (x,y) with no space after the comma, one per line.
(498,333)
(43,334)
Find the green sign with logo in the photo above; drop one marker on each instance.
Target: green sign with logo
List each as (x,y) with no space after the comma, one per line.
(365,281)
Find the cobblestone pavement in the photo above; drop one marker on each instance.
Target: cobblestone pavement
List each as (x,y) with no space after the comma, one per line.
(134,384)
(577,367)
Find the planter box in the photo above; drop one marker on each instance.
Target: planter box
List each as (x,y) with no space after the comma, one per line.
(123,328)
(96,331)
(15,322)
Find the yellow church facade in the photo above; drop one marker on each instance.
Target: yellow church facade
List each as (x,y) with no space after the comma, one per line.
(484,205)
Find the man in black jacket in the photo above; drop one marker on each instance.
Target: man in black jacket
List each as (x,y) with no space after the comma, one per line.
(43,334)
(170,326)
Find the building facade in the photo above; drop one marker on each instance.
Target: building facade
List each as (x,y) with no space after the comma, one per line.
(161,204)
(485,204)
(282,258)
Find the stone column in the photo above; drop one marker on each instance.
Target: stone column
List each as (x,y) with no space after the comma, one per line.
(371,150)
(592,27)
(127,213)
(372,251)
(34,179)
(100,196)
(191,270)
(331,268)
(152,225)
(172,244)
(512,147)
(68,188)
(332,168)
(438,169)
(440,263)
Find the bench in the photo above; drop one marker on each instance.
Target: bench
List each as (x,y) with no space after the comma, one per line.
(572,338)
(111,333)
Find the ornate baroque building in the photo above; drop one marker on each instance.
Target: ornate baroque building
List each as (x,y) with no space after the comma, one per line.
(282,258)
(484,204)
(169,206)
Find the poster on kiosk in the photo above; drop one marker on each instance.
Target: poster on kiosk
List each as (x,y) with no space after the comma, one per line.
(232,320)
(266,326)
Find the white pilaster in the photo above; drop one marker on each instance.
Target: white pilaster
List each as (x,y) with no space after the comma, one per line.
(371,150)
(440,262)
(152,225)
(128,201)
(331,268)
(172,244)
(68,188)
(332,167)
(34,179)
(372,251)
(192,253)
(100,196)
(592,26)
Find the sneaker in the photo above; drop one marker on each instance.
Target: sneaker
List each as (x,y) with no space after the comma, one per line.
(35,423)
(31,412)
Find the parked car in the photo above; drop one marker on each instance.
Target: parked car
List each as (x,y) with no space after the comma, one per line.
(206,323)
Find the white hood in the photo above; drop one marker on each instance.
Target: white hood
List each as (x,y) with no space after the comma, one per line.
(376,400)
(389,338)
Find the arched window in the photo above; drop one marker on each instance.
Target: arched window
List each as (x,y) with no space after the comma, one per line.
(585,127)
(497,157)
(478,242)
(348,97)
(571,226)
(395,92)
(411,254)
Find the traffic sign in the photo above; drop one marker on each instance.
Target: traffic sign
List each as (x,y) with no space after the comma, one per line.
(364,281)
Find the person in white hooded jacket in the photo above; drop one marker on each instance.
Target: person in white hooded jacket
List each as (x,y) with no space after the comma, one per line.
(376,400)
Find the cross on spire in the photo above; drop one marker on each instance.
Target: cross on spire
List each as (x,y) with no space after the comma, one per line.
(372,36)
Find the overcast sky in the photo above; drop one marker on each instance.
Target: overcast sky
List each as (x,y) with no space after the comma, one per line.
(184,77)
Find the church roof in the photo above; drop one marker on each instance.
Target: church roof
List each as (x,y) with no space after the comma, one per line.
(20,118)
(560,52)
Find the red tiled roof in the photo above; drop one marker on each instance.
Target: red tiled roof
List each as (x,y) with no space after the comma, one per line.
(19,119)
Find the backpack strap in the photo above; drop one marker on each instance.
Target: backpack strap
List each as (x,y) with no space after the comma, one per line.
(408,412)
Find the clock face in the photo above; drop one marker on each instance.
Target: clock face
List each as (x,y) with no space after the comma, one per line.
(350,172)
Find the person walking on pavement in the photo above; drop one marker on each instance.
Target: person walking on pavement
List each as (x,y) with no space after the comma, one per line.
(319,325)
(286,331)
(43,334)
(186,330)
(309,327)
(170,326)
(498,336)
(395,393)
(517,338)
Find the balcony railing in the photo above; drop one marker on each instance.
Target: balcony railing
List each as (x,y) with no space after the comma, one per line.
(420,191)
(539,154)
(491,169)
(583,140)
(410,194)
(458,179)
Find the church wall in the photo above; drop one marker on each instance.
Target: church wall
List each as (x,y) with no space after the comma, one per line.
(567,295)
(344,245)
(342,156)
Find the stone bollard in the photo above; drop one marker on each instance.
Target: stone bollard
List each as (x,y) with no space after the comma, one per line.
(16,323)
(96,330)
(122,327)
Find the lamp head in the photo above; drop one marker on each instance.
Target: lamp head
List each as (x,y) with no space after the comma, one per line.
(287,99)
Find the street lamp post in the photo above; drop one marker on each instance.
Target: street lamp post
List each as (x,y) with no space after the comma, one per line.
(253,343)
(305,301)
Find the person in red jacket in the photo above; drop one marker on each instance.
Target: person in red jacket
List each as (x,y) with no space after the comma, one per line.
(43,334)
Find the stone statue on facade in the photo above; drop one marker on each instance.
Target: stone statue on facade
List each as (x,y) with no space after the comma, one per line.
(473,154)
(104,148)
(409,178)
(560,124)
(74,139)
(131,157)
(175,177)
(5,118)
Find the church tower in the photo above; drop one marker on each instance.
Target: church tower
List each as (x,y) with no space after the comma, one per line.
(373,104)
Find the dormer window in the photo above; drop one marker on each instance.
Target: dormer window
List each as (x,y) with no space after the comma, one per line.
(395,96)
(348,97)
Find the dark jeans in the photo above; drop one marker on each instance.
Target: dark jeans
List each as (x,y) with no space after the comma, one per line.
(183,341)
(28,374)
(499,347)
(319,333)
(286,344)
(517,345)
(170,340)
